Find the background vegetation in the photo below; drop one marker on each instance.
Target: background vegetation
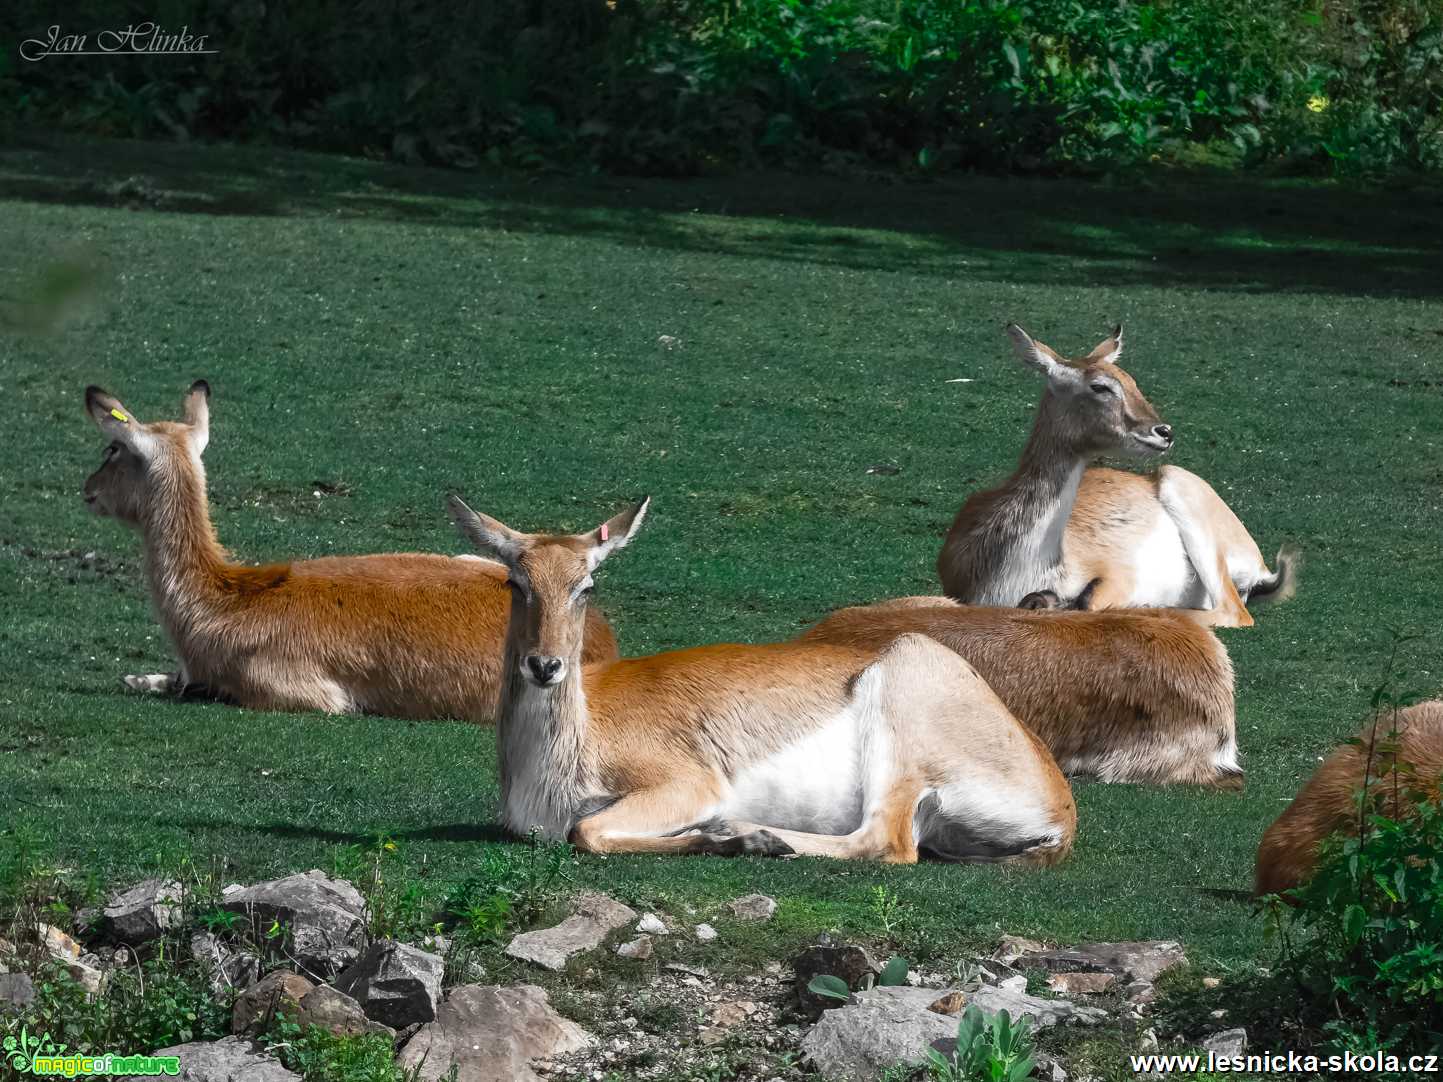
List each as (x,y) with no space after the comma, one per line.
(686,86)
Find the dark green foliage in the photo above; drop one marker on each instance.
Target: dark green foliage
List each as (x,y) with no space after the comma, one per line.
(317,1055)
(680,86)
(995,1050)
(142,1008)
(1366,936)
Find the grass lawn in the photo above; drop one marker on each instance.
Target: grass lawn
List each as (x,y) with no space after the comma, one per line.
(378,336)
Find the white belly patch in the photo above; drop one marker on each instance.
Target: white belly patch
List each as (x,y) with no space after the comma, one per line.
(814,785)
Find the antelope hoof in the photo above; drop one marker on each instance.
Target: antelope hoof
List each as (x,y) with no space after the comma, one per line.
(152,683)
(759,843)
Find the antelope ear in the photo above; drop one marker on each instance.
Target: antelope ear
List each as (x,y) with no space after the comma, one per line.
(196,412)
(491,537)
(616,532)
(1108,350)
(118,423)
(1038,356)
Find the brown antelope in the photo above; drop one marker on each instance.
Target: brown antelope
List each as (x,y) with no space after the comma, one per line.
(801,747)
(412,635)
(1160,541)
(1122,695)
(1328,803)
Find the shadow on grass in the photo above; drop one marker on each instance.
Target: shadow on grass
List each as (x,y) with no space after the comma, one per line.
(491,833)
(1241,235)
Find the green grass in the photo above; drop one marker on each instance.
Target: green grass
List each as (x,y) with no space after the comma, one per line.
(401,333)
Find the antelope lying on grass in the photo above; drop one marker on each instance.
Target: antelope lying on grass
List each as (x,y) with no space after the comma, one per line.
(1328,803)
(799,747)
(1124,696)
(416,636)
(1161,541)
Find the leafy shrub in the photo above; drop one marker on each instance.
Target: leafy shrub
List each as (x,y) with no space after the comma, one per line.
(317,1055)
(988,1050)
(140,1010)
(1365,934)
(681,86)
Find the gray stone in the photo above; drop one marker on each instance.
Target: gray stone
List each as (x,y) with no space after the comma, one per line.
(142,913)
(325,918)
(853,966)
(16,990)
(279,992)
(1230,1042)
(395,983)
(225,967)
(594,917)
(856,1043)
(754,907)
(491,1034)
(990,999)
(335,1011)
(230,1060)
(1144,961)
(1085,983)
(705,932)
(638,948)
(651,924)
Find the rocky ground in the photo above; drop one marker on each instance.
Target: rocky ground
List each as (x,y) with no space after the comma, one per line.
(633,1006)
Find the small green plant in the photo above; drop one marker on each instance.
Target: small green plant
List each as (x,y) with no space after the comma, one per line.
(894,973)
(320,1056)
(397,906)
(996,1050)
(509,889)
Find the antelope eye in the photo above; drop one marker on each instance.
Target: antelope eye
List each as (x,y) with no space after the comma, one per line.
(1101,388)
(110,452)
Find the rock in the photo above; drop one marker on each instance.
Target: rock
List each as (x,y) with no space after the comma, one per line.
(1013,984)
(16,990)
(858,1042)
(1013,947)
(57,944)
(705,932)
(491,1034)
(88,974)
(726,1016)
(227,968)
(851,965)
(1090,984)
(1129,961)
(990,999)
(639,948)
(754,907)
(690,971)
(230,1060)
(1212,982)
(734,1013)
(1047,1068)
(949,1004)
(395,983)
(1230,1042)
(1140,993)
(278,992)
(324,918)
(651,924)
(335,1011)
(593,919)
(144,912)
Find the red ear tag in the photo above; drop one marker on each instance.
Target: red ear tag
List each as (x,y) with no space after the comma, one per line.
(605,530)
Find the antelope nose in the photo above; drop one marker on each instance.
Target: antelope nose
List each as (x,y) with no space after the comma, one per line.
(544,669)
(1163,432)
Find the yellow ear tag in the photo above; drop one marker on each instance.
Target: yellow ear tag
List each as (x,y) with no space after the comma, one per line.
(119,416)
